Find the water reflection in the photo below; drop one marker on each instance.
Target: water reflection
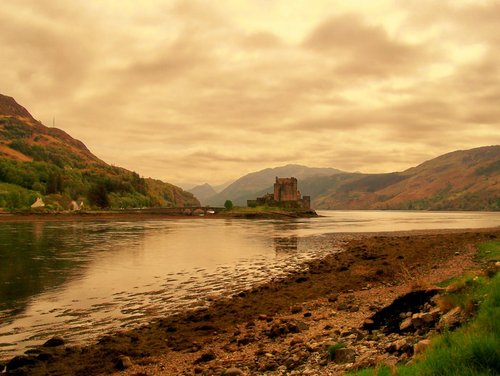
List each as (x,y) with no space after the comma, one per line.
(40,256)
(285,244)
(30,261)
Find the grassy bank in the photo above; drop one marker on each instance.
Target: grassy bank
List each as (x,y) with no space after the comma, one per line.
(474,348)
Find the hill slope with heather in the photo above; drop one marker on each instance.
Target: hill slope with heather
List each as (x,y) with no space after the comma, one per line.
(38,161)
(460,180)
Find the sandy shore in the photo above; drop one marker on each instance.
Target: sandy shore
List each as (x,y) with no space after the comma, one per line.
(333,297)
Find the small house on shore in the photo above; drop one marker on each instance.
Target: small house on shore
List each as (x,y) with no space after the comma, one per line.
(38,203)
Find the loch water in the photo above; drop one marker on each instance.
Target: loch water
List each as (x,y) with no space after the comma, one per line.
(81,279)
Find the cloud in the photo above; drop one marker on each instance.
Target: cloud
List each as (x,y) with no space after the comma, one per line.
(180,89)
(459,21)
(262,40)
(41,56)
(362,49)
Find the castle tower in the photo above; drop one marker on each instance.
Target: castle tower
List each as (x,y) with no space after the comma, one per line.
(285,189)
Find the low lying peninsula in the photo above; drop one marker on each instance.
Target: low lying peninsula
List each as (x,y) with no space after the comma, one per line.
(290,325)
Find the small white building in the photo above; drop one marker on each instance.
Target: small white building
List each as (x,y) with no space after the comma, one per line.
(38,203)
(74,206)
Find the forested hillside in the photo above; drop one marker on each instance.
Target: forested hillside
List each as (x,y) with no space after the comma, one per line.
(37,161)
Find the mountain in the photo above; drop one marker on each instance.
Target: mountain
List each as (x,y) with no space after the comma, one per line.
(36,160)
(221,187)
(203,192)
(460,180)
(258,183)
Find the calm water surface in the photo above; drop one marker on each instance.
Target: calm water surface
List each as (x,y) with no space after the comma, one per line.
(80,279)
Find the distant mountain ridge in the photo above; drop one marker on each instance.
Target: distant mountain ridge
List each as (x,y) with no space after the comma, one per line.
(203,192)
(460,180)
(48,162)
(257,183)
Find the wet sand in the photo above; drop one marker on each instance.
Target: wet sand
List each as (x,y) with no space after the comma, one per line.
(371,271)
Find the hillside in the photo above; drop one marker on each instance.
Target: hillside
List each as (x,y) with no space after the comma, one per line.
(257,183)
(49,163)
(460,180)
(203,192)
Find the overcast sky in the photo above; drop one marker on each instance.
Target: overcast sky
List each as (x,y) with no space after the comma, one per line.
(206,91)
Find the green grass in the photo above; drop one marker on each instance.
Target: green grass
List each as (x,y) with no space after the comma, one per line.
(382,371)
(467,293)
(473,349)
(448,282)
(489,251)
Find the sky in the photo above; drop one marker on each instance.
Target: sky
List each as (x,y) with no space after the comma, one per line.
(200,91)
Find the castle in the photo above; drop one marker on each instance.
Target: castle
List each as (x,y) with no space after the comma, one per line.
(285,195)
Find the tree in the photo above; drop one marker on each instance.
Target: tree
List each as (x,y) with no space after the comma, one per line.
(39,187)
(54,183)
(228,204)
(98,195)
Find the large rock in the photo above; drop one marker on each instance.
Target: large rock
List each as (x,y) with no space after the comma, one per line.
(54,342)
(451,319)
(401,345)
(19,361)
(406,324)
(416,320)
(366,360)
(420,346)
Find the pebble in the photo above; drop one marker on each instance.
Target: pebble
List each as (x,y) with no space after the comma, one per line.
(206,357)
(233,372)
(123,362)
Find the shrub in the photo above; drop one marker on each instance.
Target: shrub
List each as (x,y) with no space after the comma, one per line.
(332,349)
(228,204)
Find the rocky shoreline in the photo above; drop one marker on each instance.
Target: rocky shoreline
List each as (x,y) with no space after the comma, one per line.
(316,322)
